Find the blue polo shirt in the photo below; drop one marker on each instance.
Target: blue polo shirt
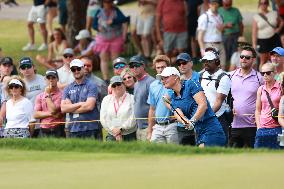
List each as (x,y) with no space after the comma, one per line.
(195,76)
(79,93)
(157,90)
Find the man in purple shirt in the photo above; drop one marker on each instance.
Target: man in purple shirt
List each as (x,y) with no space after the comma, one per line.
(245,82)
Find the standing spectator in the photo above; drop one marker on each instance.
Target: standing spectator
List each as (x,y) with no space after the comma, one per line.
(141,91)
(93,7)
(18,110)
(37,14)
(243,126)
(129,80)
(210,28)
(111,26)
(265,28)
(235,58)
(185,64)
(216,85)
(171,18)
(79,100)
(161,128)
(47,108)
(63,16)
(277,58)
(117,113)
(204,7)
(56,48)
(233,27)
(51,6)
(268,98)
(188,99)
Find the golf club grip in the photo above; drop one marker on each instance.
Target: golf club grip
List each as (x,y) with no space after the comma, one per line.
(169,102)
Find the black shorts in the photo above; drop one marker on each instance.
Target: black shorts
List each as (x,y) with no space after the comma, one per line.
(267,45)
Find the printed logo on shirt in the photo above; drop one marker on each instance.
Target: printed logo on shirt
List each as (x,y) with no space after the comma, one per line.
(35,88)
(72,91)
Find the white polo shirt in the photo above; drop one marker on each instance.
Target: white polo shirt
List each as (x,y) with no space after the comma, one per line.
(211,92)
(208,22)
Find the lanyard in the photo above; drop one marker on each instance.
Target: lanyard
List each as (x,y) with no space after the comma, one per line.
(118,105)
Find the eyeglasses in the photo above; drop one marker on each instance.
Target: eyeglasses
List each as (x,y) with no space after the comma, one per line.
(115,85)
(68,56)
(127,78)
(135,65)
(118,66)
(14,86)
(179,63)
(245,56)
(24,67)
(267,73)
(74,69)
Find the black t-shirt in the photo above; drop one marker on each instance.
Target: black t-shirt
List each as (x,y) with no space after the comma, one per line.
(38,2)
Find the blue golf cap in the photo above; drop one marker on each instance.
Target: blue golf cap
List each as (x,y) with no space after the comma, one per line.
(26,61)
(278,50)
(183,56)
(136,59)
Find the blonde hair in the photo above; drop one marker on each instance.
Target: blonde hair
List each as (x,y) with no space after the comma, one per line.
(24,89)
(269,65)
(161,58)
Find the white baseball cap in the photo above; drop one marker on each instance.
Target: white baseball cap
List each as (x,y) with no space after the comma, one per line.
(83,34)
(209,55)
(77,63)
(168,71)
(15,81)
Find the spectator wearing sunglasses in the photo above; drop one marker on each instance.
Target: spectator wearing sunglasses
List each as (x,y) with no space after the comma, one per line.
(19,110)
(119,64)
(245,82)
(268,98)
(185,65)
(35,84)
(117,113)
(79,100)
(128,79)
(141,91)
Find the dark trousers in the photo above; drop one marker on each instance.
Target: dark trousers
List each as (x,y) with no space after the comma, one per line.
(86,134)
(128,137)
(242,137)
(225,125)
(57,132)
(186,137)
(230,44)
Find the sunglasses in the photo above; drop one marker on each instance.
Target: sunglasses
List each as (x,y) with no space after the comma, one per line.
(127,78)
(24,67)
(179,63)
(51,77)
(74,69)
(14,86)
(135,65)
(246,57)
(68,56)
(118,66)
(115,85)
(267,73)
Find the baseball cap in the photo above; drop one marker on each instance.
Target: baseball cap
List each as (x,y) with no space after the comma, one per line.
(83,34)
(15,81)
(115,79)
(25,61)
(278,50)
(168,71)
(119,60)
(183,56)
(214,1)
(68,51)
(51,72)
(6,60)
(209,55)
(76,63)
(137,59)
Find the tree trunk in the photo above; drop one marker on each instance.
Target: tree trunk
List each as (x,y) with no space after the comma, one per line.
(77,10)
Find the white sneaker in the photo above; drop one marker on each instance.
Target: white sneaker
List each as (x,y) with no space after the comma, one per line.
(42,47)
(29,47)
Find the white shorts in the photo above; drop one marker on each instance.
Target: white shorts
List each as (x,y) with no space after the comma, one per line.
(165,133)
(145,26)
(37,14)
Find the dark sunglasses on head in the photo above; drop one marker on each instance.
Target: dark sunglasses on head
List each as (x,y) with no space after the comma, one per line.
(115,85)
(14,86)
(267,73)
(74,69)
(26,67)
(118,66)
(127,78)
(245,56)
(135,65)
(68,56)
(181,63)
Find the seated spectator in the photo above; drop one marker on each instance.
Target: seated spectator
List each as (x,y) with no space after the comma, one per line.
(117,113)
(128,79)
(119,64)
(47,108)
(86,43)
(18,110)
(56,48)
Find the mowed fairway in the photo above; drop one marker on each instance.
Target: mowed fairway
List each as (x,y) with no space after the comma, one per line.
(49,169)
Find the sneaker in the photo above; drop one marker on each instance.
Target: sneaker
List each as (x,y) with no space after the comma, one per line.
(28,47)
(42,47)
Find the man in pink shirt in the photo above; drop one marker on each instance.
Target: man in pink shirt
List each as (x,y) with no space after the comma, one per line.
(171,17)
(47,107)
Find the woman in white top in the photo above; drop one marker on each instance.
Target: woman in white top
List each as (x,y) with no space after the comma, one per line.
(117,113)
(18,110)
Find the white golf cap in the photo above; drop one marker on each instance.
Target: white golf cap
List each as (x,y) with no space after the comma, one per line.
(77,63)
(168,71)
(15,81)
(83,34)
(209,55)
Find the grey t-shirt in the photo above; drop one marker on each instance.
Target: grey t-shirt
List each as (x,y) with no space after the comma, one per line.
(141,107)
(102,89)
